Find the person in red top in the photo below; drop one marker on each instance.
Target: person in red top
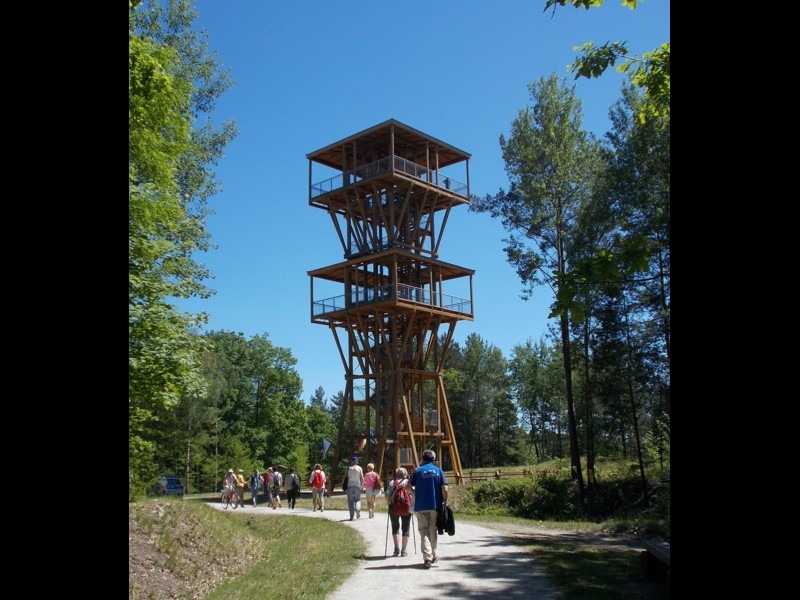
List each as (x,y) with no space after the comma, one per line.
(317,482)
(398,521)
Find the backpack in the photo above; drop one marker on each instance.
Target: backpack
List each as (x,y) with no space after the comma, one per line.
(276,479)
(317,479)
(401,500)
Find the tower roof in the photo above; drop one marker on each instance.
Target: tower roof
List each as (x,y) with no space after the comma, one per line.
(377,140)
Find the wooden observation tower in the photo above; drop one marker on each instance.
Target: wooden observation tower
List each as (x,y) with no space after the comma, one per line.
(391,305)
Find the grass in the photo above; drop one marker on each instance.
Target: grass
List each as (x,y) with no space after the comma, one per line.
(213,554)
(590,573)
(307,559)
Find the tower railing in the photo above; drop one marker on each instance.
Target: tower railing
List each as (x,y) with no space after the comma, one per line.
(384,165)
(362,295)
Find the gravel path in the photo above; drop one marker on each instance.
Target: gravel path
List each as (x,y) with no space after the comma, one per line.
(476,562)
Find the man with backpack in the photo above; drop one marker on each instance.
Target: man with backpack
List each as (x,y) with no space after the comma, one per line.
(430,492)
(399,501)
(292,488)
(255,483)
(317,482)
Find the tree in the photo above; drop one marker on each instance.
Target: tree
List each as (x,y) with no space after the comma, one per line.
(318,399)
(263,396)
(173,79)
(552,165)
(527,372)
(651,72)
(321,426)
(639,173)
(478,399)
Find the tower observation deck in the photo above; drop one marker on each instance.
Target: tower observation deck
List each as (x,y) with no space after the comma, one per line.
(392,305)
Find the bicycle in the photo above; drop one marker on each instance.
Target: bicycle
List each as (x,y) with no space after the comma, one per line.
(229,497)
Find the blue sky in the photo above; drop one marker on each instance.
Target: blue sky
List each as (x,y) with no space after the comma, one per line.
(311,73)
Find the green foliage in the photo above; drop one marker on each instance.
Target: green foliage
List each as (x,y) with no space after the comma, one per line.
(549,497)
(172,80)
(657,446)
(142,470)
(261,396)
(298,458)
(482,411)
(651,72)
(551,494)
(236,455)
(552,166)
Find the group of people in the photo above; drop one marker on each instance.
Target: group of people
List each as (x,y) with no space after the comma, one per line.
(429,485)
(271,484)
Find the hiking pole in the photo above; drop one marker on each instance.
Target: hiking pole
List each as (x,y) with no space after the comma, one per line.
(414,533)
(386,543)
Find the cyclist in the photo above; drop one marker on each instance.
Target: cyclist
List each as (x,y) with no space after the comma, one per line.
(230,483)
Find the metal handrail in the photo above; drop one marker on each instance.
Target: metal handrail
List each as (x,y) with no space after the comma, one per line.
(382,165)
(362,296)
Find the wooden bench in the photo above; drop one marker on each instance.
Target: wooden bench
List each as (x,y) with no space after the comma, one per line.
(655,559)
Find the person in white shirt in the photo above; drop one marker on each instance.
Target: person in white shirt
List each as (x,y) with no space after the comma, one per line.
(355,485)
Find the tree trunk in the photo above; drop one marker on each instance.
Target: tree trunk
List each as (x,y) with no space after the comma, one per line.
(574,450)
(590,479)
(634,412)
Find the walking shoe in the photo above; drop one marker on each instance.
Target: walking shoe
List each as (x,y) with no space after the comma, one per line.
(403,552)
(426,564)
(435,558)
(358,514)
(396,552)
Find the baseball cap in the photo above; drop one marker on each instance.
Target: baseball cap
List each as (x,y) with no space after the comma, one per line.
(354,459)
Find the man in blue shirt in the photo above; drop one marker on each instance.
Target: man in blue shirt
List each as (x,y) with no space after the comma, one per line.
(430,491)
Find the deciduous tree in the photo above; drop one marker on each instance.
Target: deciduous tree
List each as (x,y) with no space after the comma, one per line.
(651,71)
(173,80)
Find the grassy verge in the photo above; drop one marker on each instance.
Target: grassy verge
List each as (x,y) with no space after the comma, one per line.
(307,559)
(188,550)
(590,573)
